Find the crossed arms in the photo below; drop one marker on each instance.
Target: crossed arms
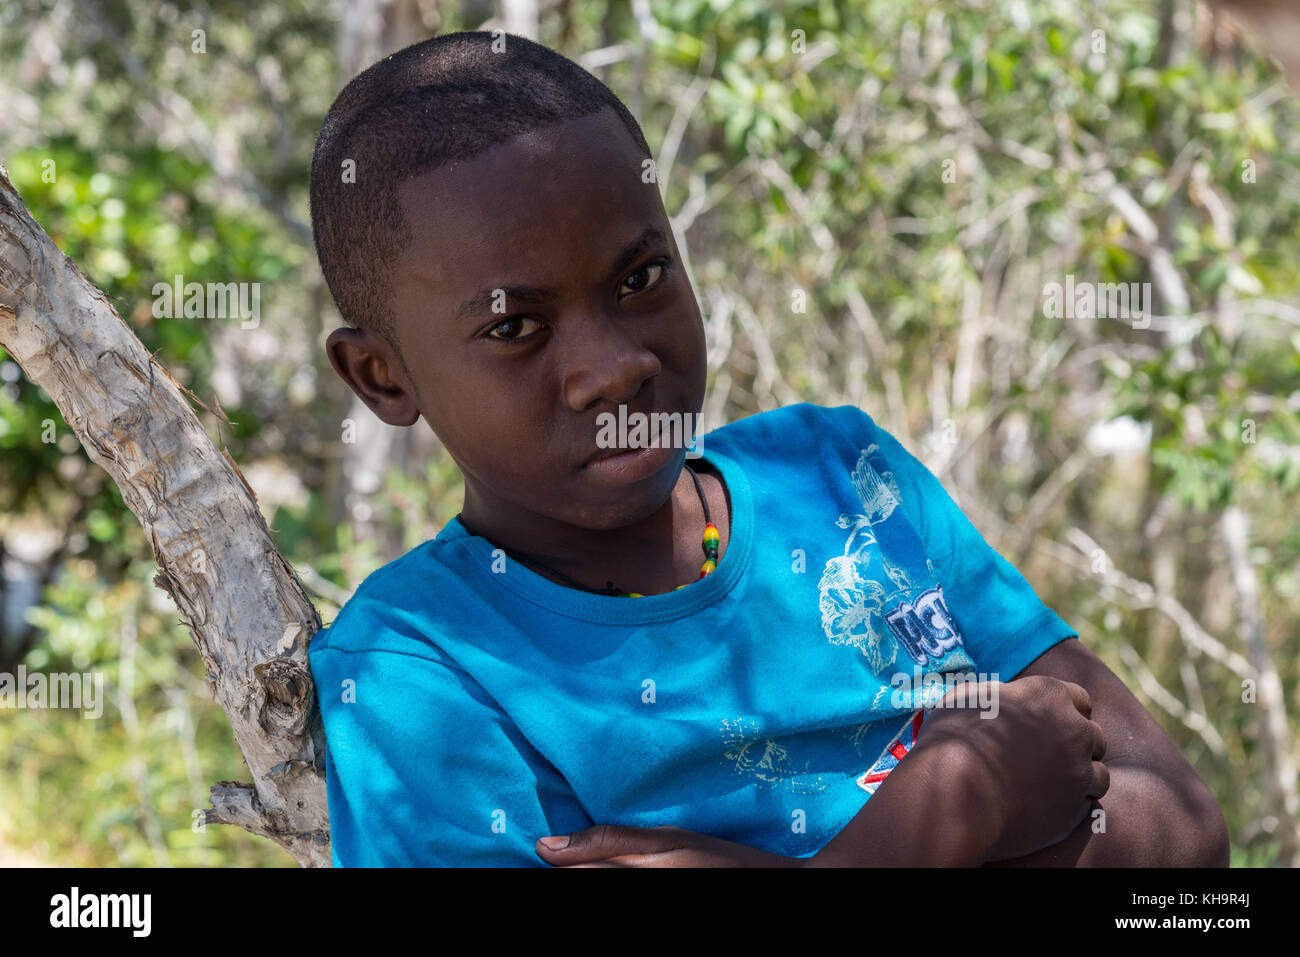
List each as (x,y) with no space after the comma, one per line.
(1023,789)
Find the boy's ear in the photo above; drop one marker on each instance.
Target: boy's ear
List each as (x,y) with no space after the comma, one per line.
(367,363)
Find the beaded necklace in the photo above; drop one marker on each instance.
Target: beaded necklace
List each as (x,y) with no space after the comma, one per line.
(710,546)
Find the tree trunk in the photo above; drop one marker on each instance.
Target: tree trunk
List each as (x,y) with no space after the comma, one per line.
(245,608)
(1274,735)
(1275,25)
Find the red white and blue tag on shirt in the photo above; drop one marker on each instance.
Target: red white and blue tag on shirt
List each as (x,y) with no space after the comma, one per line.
(894,752)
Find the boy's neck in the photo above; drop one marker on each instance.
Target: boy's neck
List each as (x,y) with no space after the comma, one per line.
(650,557)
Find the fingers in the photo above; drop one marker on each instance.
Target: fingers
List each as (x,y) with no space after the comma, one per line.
(1100,783)
(612,862)
(1079,695)
(604,841)
(1098,741)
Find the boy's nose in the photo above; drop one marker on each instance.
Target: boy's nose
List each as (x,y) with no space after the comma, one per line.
(606,364)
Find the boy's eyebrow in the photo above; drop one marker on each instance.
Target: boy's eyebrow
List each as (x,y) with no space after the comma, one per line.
(651,234)
(482,300)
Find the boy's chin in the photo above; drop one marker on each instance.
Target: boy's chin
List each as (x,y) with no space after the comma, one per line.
(601,505)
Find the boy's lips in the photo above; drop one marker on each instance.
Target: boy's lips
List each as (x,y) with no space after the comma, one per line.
(629,465)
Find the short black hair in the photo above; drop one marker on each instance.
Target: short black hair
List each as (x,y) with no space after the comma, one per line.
(443,99)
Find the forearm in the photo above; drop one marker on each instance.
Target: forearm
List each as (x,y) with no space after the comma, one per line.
(1145,820)
(922,815)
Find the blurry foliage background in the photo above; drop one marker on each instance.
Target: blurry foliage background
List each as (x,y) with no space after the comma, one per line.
(919,170)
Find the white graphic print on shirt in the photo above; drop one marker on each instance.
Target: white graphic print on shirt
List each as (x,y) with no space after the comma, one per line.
(869,602)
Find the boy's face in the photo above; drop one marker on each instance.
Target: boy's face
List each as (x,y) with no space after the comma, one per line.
(593,309)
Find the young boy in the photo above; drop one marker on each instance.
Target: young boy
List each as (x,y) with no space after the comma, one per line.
(707,661)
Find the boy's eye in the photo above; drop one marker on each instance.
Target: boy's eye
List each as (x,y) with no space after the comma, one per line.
(645,277)
(510,329)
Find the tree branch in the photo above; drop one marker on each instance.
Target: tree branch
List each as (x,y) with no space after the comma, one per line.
(245,608)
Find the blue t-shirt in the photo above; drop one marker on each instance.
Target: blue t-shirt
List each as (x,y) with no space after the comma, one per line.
(472,706)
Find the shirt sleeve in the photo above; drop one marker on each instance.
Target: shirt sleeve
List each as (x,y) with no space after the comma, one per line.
(423,768)
(1003,623)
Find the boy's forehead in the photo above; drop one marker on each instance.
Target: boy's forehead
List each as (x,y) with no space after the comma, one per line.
(562,167)
(527,207)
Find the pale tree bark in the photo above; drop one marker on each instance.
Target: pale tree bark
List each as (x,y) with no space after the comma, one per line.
(244,606)
(1274,735)
(1274,25)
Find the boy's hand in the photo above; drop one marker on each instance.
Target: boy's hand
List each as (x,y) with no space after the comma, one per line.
(1038,761)
(1040,757)
(610,845)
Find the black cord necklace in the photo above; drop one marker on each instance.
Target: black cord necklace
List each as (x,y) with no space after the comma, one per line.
(710,546)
